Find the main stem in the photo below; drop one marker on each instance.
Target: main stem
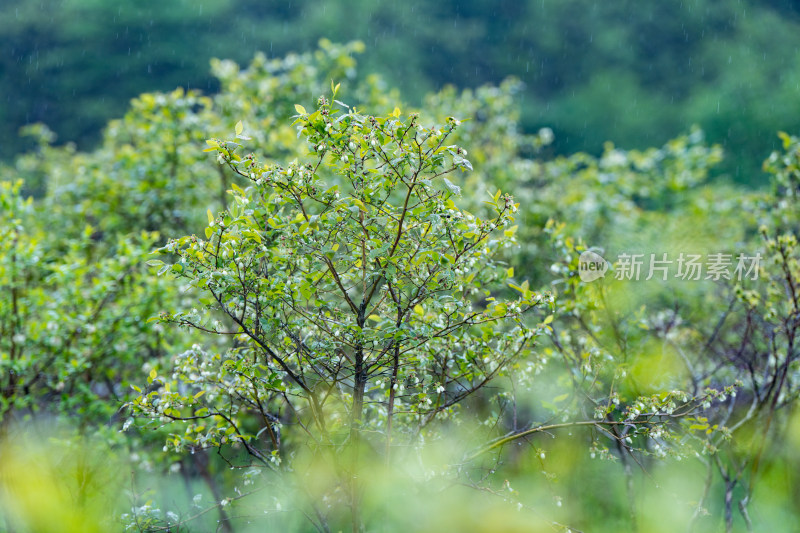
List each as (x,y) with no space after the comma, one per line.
(356,413)
(390,407)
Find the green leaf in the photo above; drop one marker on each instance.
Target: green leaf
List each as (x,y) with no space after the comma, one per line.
(524,288)
(359,203)
(454,189)
(300,109)
(500,309)
(239,128)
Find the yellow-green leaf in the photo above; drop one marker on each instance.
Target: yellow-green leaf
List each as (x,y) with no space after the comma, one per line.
(300,109)
(210,217)
(521,288)
(239,128)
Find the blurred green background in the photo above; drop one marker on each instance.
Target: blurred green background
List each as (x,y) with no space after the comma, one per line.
(636,73)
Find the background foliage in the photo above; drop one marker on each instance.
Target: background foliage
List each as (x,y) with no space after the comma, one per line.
(637,74)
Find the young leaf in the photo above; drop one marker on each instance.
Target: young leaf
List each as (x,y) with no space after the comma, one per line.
(453,188)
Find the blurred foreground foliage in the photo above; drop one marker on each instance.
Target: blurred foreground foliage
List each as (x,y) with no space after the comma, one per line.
(302,304)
